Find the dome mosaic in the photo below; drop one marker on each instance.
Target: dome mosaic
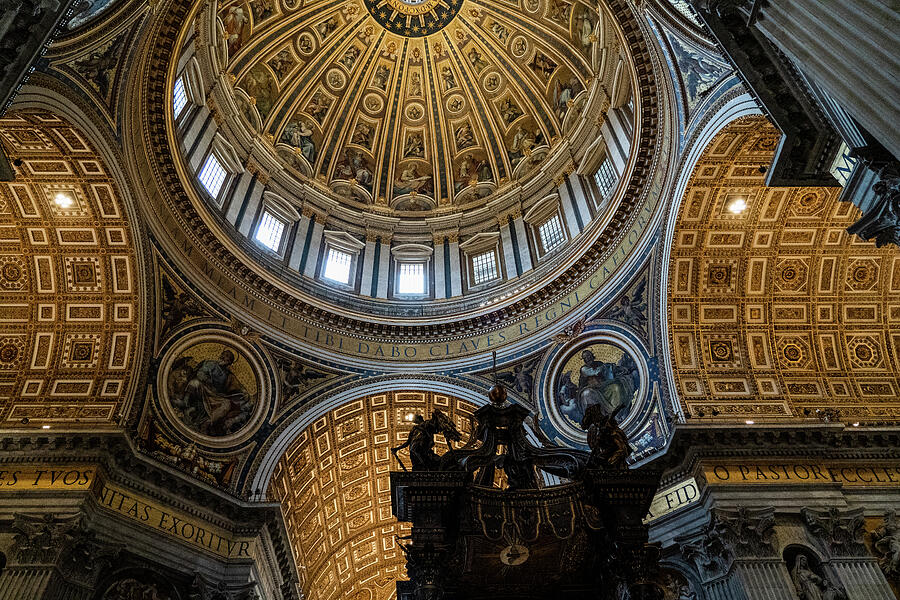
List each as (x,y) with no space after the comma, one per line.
(412,105)
(437,177)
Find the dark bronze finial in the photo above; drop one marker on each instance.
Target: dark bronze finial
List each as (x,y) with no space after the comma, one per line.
(497,395)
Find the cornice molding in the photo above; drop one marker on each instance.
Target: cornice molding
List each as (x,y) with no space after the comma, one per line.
(121,462)
(692,443)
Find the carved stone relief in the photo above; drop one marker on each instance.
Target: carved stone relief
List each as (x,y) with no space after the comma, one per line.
(886,543)
(742,533)
(810,580)
(65,543)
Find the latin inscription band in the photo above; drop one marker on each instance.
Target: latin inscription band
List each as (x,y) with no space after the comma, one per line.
(801,473)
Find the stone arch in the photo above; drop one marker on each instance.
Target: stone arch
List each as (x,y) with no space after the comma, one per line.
(282,438)
(734,108)
(334,488)
(774,311)
(72,270)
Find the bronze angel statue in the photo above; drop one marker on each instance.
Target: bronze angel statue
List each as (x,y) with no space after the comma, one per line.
(608,443)
(421,441)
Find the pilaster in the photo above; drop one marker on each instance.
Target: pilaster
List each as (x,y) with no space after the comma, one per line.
(384,268)
(368,260)
(315,242)
(509,255)
(54,558)
(440,274)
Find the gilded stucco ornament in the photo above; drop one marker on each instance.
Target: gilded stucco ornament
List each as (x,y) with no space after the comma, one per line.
(294,306)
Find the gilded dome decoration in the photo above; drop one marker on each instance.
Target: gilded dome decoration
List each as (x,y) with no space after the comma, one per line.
(413,18)
(415,105)
(321,158)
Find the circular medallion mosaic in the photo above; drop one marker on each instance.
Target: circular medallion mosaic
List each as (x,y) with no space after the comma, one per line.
(413,18)
(212,386)
(595,372)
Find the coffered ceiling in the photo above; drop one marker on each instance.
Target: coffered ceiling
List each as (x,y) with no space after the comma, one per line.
(774,309)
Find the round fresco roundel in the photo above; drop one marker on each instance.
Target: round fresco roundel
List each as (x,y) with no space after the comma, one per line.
(597,372)
(212,387)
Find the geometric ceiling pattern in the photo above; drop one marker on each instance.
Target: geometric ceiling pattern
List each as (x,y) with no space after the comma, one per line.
(69,295)
(333,484)
(776,310)
(354,95)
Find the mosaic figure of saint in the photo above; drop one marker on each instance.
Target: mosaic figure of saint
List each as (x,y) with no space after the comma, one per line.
(318,106)
(564,93)
(465,137)
(415,146)
(282,63)
(380,80)
(236,24)
(415,84)
(211,399)
(509,111)
(448,78)
(411,180)
(476,59)
(362,135)
(299,135)
(609,385)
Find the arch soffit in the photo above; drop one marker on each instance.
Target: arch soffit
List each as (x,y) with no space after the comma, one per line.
(69,107)
(42,94)
(734,108)
(281,439)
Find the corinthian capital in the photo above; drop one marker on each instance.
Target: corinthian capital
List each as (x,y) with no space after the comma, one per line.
(841,533)
(730,534)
